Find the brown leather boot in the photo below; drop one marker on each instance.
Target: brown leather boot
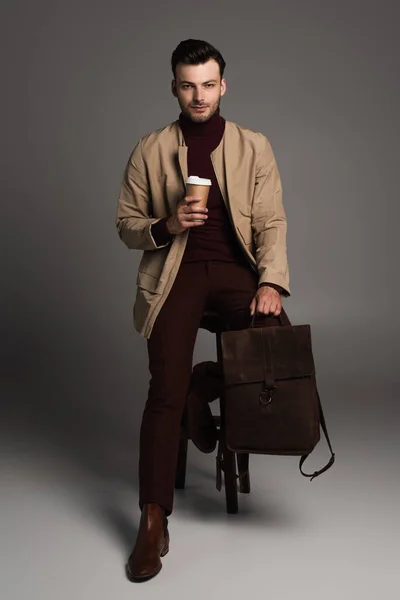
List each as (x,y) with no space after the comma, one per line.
(152,542)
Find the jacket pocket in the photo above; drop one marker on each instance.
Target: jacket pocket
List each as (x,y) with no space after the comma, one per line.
(147,282)
(246,242)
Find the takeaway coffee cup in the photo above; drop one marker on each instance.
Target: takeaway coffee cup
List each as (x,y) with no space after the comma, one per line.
(199,188)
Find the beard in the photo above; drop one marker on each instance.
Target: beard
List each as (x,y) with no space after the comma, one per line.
(201,118)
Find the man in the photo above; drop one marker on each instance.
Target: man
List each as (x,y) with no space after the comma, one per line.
(229,257)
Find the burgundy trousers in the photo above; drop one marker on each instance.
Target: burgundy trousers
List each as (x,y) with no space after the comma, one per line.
(227,288)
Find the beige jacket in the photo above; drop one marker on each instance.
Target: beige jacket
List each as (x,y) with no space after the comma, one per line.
(250,184)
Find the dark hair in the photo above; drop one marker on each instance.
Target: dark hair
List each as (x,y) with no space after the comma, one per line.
(196,52)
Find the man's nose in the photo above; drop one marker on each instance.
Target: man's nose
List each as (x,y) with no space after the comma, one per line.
(198,95)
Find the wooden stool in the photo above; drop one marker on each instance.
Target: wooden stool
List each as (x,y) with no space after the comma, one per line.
(226,459)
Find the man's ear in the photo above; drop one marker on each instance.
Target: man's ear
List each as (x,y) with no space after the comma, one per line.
(173,88)
(223,87)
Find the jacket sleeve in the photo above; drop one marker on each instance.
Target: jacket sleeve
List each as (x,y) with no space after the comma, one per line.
(268,221)
(134,218)
(273,285)
(160,232)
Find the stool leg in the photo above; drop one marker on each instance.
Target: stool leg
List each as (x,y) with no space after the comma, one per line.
(231,493)
(180,476)
(230,481)
(244,475)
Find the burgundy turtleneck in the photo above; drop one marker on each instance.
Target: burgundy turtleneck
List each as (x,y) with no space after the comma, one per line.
(215,240)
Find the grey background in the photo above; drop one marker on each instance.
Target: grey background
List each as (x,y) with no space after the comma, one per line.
(82,81)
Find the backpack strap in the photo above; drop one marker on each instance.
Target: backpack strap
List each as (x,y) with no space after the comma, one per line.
(305,456)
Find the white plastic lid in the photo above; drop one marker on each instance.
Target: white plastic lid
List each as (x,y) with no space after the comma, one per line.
(193,179)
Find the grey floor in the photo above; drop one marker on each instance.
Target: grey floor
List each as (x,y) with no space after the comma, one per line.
(67,528)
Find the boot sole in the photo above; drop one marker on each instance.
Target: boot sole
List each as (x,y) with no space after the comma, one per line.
(140,578)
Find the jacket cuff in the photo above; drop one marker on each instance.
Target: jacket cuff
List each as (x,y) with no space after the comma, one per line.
(278,288)
(160,232)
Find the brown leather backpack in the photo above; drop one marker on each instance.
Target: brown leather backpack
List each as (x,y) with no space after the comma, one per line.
(271,400)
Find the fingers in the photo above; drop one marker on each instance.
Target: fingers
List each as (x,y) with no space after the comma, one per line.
(199,212)
(189,201)
(268,301)
(192,223)
(262,307)
(194,215)
(190,205)
(192,219)
(191,215)
(274,312)
(268,307)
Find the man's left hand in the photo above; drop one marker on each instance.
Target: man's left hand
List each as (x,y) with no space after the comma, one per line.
(267,300)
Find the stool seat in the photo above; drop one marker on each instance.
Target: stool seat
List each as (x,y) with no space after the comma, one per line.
(212,322)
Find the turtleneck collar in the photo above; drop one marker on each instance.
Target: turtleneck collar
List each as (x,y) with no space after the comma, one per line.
(212,127)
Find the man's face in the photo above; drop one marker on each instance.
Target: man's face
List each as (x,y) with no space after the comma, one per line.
(198,86)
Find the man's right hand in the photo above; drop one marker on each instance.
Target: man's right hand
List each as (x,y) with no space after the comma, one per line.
(188,214)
